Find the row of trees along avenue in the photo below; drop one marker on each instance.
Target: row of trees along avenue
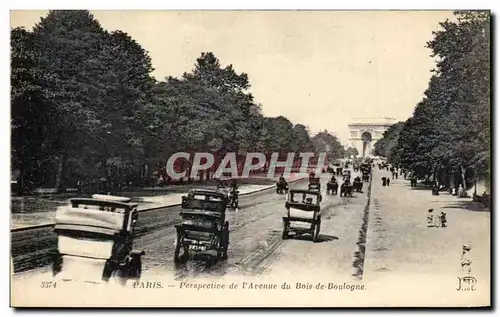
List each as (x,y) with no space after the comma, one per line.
(85,107)
(448,137)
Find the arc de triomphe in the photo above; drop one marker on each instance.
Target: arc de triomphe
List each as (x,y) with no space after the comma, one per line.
(364,132)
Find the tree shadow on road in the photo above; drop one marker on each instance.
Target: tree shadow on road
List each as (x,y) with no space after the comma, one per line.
(468,205)
(419,187)
(321,238)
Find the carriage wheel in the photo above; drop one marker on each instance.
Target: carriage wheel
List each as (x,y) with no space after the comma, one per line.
(286,229)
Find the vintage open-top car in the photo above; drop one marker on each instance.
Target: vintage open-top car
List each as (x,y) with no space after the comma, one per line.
(357,184)
(303,207)
(95,238)
(204,227)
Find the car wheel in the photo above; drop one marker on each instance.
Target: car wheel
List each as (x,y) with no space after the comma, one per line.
(286,229)
(219,247)
(118,277)
(317,228)
(177,258)
(225,247)
(135,269)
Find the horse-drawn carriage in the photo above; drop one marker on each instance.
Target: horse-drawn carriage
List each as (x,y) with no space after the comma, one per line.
(204,228)
(94,240)
(357,185)
(346,189)
(365,176)
(332,186)
(303,207)
(281,186)
(366,170)
(231,190)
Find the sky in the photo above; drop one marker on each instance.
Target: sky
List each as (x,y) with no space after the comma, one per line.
(317,68)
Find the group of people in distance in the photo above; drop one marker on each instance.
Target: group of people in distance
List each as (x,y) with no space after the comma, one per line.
(386,181)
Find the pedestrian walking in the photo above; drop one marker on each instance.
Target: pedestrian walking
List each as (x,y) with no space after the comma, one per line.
(435,190)
(461,192)
(388,181)
(384,181)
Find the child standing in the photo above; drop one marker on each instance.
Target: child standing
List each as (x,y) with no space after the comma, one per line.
(443,219)
(437,220)
(430,218)
(465,261)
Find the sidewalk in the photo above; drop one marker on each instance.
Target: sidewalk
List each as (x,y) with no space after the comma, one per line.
(403,252)
(29,218)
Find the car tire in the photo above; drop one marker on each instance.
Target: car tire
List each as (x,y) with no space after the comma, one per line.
(225,247)
(286,229)
(177,250)
(118,277)
(317,229)
(225,241)
(135,269)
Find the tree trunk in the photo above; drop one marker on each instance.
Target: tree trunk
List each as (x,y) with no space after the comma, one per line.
(434,174)
(462,171)
(60,174)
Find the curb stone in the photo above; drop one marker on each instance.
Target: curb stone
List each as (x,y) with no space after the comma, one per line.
(359,255)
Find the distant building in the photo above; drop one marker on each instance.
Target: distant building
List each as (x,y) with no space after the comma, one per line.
(365,132)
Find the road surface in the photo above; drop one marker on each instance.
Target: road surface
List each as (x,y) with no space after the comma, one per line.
(375,244)
(255,236)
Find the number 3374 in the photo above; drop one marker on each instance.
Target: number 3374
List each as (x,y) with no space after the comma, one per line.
(48,285)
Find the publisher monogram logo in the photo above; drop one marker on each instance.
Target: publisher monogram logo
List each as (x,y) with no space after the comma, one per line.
(466,283)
